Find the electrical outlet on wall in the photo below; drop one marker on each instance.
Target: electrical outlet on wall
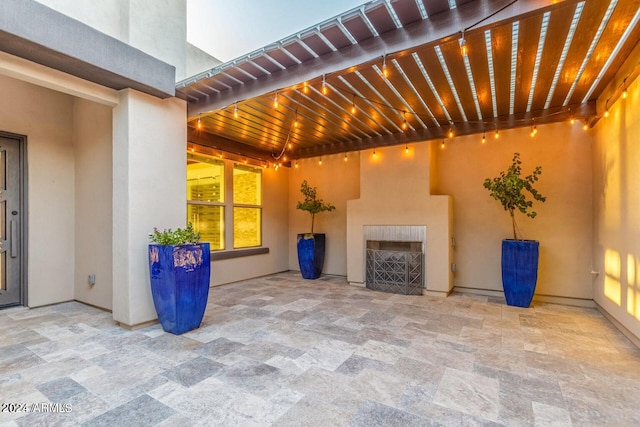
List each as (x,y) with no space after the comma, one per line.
(92,279)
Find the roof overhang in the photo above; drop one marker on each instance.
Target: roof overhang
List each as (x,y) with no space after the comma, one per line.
(42,35)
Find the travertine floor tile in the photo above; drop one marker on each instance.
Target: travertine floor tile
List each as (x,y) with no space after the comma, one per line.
(280,350)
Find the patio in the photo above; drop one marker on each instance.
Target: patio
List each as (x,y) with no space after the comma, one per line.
(279,350)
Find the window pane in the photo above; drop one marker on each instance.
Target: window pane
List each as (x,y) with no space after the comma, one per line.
(247,185)
(205,179)
(209,221)
(247,227)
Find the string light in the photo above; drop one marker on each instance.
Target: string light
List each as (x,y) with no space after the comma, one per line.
(305,87)
(624,90)
(320,161)
(484,138)
(496,134)
(585,126)
(450,134)
(374,153)
(199,123)
(442,145)
(534,129)
(235,110)
(353,105)
(325,89)
(275,100)
(290,146)
(573,120)
(345,157)
(295,122)
(404,123)
(606,109)
(463,45)
(296,164)
(406,149)
(385,71)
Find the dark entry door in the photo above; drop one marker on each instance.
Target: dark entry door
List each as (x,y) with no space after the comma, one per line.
(10,218)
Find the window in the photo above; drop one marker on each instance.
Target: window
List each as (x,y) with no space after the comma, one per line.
(205,198)
(247,213)
(238,220)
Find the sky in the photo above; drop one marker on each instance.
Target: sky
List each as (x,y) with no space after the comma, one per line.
(228,29)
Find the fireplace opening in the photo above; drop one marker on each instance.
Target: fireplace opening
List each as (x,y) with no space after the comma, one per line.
(394,267)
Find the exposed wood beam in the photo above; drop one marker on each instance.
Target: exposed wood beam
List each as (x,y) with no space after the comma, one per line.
(552,115)
(216,142)
(438,28)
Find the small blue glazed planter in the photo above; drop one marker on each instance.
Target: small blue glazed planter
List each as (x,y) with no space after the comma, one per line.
(311,249)
(180,284)
(519,271)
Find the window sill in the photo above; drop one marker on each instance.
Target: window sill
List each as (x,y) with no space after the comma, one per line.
(237,253)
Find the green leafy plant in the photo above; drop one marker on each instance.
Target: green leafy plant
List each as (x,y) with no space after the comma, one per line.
(311,203)
(509,189)
(179,236)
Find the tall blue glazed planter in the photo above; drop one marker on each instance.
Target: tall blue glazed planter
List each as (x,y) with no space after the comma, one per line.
(180,284)
(519,271)
(311,254)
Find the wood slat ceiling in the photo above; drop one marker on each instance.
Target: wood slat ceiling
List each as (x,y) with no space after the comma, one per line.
(528,62)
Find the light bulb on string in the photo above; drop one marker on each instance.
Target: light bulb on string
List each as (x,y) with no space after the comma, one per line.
(585,126)
(235,110)
(442,145)
(374,153)
(450,134)
(305,87)
(275,100)
(353,105)
(345,157)
(606,109)
(496,134)
(385,71)
(405,125)
(624,90)
(406,149)
(463,45)
(320,161)
(199,123)
(325,89)
(484,138)
(296,164)
(573,120)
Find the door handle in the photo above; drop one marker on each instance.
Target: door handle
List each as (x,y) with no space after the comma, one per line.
(13,226)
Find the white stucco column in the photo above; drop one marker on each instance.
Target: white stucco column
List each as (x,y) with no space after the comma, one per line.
(149,190)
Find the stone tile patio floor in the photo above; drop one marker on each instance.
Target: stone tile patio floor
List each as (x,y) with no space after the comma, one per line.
(283,351)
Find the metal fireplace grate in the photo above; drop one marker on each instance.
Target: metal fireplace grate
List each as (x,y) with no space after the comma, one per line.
(394,271)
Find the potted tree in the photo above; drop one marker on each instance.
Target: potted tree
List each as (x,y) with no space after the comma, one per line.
(311,246)
(180,269)
(519,256)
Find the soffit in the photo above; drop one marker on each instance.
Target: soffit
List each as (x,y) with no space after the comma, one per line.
(528,62)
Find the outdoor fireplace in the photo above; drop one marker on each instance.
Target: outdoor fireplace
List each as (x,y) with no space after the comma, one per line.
(394,267)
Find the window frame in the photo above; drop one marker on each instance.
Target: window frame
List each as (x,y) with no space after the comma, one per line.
(229,250)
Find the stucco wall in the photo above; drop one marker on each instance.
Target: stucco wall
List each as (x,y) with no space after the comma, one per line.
(337,181)
(149,190)
(275,221)
(563,225)
(157,27)
(93,205)
(45,117)
(616,249)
